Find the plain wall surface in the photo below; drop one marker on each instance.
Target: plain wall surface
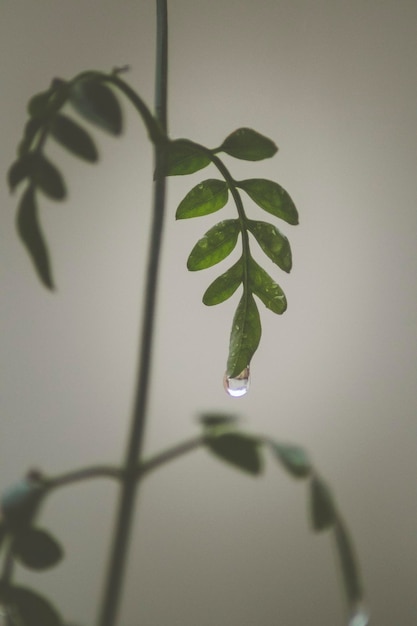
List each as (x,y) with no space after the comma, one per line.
(334,84)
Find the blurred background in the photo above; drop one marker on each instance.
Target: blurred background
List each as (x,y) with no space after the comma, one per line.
(334,84)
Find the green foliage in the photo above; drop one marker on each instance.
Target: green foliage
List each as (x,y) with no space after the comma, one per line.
(36,549)
(20,503)
(245,335)
(271,197)
(185,157)
(215,246)
(27,608)
(293,458)
(74,138)
(249,145)
(348,564)
(207,197)
(239,450)
(96,103)
(323,513)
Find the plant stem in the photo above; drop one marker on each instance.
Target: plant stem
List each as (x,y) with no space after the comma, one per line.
(114,582)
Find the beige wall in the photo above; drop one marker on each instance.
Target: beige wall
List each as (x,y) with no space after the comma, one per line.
(334,84)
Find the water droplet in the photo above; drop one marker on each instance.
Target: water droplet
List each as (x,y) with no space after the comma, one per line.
(238,386)
(359,618)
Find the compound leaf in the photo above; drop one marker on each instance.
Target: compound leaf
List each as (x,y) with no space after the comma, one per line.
(207,197)
(215,246)
(31,609)
(37,549)
(245,335)
(98,104)
(266,289)
(272,242)
(31,235)
(271,197)
(74,138)
(184,157)
(224,286)
(323,512)
(249,145)
(293,458)
(239,450)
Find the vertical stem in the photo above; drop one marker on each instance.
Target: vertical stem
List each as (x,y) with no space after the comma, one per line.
(118,557)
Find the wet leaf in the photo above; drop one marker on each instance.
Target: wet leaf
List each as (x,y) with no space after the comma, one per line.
(184,157)
(245,335)
(271,197)
(239,450)
(215,246)
(224,286)
(31,609)
(323,513)
(266,289)
(19,504)
(73,137)
(293,458)
(348,564)
(32,237)
(37,549)
(272,242)
(207,197)
(98,104)
(249,145)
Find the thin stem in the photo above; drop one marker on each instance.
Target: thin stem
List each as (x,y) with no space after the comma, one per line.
(114,582)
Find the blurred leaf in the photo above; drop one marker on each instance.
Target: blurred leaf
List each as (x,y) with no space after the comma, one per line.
(73,138)
(215,246)
(97,103)
(323,513)
(37,549)
(19,170)
(224,286)
(19,504)
(31,609)
(245,335)
(39,104)
(32,126)
(266,289)
(212,420)
(184,157)
(207,197)
(271,197)
(31,235)
(293,458)
(249,145)
(348,565)
(239,450)
(48,178)
(272,242)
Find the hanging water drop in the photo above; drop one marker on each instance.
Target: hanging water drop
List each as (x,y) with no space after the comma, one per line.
(238,385)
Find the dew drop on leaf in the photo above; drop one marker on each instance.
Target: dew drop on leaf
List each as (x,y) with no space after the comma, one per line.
(237,386)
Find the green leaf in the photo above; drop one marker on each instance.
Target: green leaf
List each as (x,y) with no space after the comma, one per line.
(21,169)
(272,242)
(293,458)
(266,289)
(97,103)
(37,549)
(185,157)
(32,126)
(74,138)
(48,178)
(323,512)
(212,420)
(249,145)
(31,235)
(207,197)
(224,286)
(348,564)
(215,246)
(19,504)
(239,450)
(245,335)
(39,104)
(31,609)
(271,197)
